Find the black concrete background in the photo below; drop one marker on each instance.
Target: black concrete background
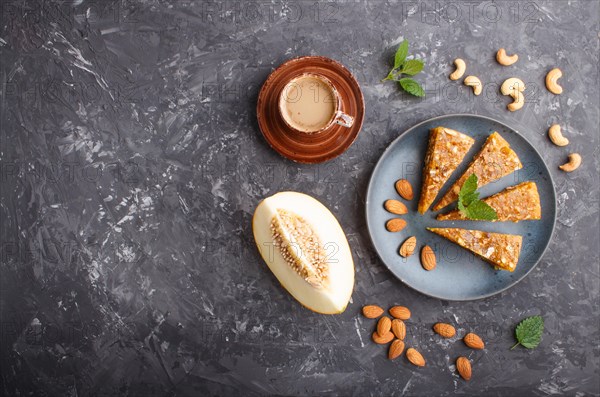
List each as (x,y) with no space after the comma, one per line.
(131,163)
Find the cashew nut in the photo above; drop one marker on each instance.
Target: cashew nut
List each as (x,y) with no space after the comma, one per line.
(551,83)
(556,136)
(512,84)
(460,69)
(473,81)
(518,103)
(514,87)
(573,163)
(504,59)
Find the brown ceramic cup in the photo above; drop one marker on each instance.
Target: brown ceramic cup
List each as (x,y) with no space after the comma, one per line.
(309,103)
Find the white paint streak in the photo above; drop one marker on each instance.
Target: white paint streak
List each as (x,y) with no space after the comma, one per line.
(362,344)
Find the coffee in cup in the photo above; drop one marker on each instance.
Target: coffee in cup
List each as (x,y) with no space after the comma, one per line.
(310,103)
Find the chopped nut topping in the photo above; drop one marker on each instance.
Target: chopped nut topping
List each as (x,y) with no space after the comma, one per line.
(501,250)
(495,160)
(445,152)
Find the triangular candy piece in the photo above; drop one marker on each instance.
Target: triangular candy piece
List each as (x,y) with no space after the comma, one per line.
(514,204)
(495,160)
(447,148)
(501,250)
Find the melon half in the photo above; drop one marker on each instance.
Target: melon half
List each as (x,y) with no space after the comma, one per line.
(306,249)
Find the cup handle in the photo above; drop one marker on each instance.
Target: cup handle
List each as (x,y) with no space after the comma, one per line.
(343,119)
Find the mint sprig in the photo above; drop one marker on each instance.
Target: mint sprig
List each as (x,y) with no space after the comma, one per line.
(411,86)
(412,67)
(403,68)
(401,54)
(470,205)
(529,332)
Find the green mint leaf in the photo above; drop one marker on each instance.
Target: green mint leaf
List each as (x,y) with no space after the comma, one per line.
(529,332)
(469,198)
(401,54)
(479,210)
(461,207)
(467,194)
(411,86)
(469,186)
(470,205)
(412,67)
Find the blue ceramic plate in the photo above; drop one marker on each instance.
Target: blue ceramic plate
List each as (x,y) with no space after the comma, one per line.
(459,275)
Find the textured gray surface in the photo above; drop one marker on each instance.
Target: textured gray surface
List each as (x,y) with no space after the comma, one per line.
(132,162)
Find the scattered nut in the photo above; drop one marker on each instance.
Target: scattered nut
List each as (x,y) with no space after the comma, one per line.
(518,103)
(504,59)
(473,341)
(382,340)
(404,189)
(473,81)
(408,247)
(415,357)
(460,69)
(400,312)
(394,331)
(399,328)
(428,258)
(395,225)
(556,136)
(573,163)
(463,366)
(511,84)
(372,311)
(396,349)
(444,330)
(395,207)
(514,88)
(384,325)
(551,81)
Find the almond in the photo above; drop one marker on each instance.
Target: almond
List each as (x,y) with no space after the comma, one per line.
(427,258)
(400,312)
(444,330)
(463,366)
(399,328)
(396,349)
(408,247)
(382,340)
(395,207)
(372,311)
(415,357)
(404,189)
(473,341)
(395,225)
(384,325)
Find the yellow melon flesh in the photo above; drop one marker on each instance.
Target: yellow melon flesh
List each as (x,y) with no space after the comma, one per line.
(306,249)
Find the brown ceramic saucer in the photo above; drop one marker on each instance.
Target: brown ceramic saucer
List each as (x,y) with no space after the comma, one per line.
(300,147)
